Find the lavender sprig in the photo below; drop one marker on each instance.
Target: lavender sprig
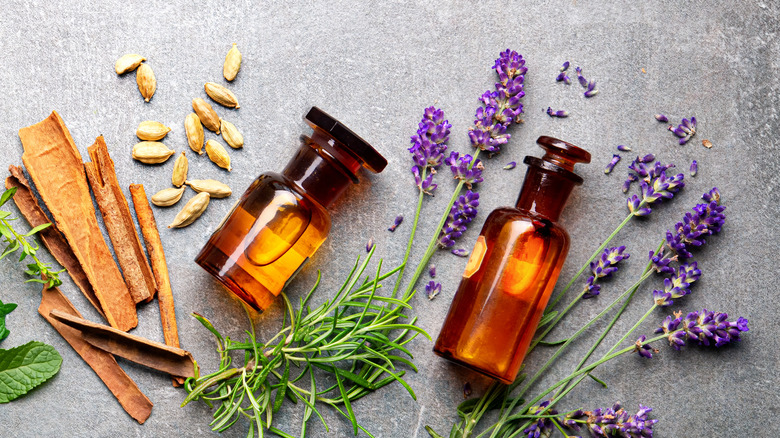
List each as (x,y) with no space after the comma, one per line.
(461,214)
(428,147)
(464,170)
(705,327)
(655,186)
(706,219)
(501,107)
(543,426)
(616,421)
(604,267)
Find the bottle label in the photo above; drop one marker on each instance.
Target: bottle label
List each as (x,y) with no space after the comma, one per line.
(475,261)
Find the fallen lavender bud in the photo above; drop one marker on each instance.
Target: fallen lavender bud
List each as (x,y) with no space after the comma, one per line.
(560,113)
(649,158)
(623,148)
(661,118)
(694,168)
(460,252)
(565,66)
(511,165)
(396,223)
(369,245)
(612,163)
(685,130)
(591,91)
(432,270)
(581,78)
(432,289)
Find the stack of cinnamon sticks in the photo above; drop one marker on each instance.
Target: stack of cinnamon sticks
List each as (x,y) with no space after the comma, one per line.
(76,241)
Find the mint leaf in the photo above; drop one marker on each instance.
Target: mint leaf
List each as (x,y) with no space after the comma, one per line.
(5,309)
(24,367)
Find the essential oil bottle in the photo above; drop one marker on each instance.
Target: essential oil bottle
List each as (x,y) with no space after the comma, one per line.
(282,219)
(513,269)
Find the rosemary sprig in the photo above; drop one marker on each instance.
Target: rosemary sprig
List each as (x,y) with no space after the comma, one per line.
(355,342)
(39,271)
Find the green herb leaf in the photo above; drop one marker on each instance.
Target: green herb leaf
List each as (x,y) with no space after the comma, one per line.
(5,309)
(7,195)
(38,228)
(24,367)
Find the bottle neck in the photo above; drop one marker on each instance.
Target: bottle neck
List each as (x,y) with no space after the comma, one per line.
(320,169)
(544,192)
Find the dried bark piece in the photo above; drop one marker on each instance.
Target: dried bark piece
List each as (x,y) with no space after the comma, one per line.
(102,363)
(119,223)
(51,237)
(159,266)
(161,357)
(56,168)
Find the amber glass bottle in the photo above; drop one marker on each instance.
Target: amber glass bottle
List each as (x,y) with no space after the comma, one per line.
(513,269)
(282,219)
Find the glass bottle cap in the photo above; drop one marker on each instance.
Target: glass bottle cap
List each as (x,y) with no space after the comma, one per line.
(354,145)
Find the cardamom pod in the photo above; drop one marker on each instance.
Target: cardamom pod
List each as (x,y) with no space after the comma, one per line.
(151,152)
(218,155)
(167,197)
(180,167)
(206,114)
(147,84)
(230,134)
(232,63)
(151,130)
(128,63)
(221,95)
(191,211)
(194,130)
(211,186)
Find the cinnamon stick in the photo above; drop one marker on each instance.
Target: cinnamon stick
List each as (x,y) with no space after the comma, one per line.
(156,355)
(56,168)
(148,225)
(104,364)
(119,223)
(52,237)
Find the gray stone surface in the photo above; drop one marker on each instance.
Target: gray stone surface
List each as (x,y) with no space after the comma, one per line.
(375,66)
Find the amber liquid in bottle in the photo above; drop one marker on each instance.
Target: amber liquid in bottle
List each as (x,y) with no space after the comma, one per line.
(281,219)
(512,270)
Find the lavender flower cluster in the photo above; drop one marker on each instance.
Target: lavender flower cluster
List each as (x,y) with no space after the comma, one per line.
(654,183)
(502,106)
(684,131)
(604,267)
(463,169)
(706,327)
(428,147)
(600,423)
(461,214)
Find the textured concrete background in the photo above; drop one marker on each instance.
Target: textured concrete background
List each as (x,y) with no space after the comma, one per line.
(375,66)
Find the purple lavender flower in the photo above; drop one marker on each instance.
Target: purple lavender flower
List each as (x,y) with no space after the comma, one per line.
(686,130)
(432,270)
(654,184)
(463,169)
(369,245)
(560,113)
(462,213)
(563,77)
(706,219)
(591,90)
(623,148)
(542,426)
(428,147)
(565,66)
(396,223)
(510,165)
(694,168)
(501,107)
(604,267)
(612,163)
(649,158)
(466,390)
(432,289)
(706,327)
(661,118)
(678,285)
(660,263)
(616,422)
(643,349)
(460,252)
(581,78)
